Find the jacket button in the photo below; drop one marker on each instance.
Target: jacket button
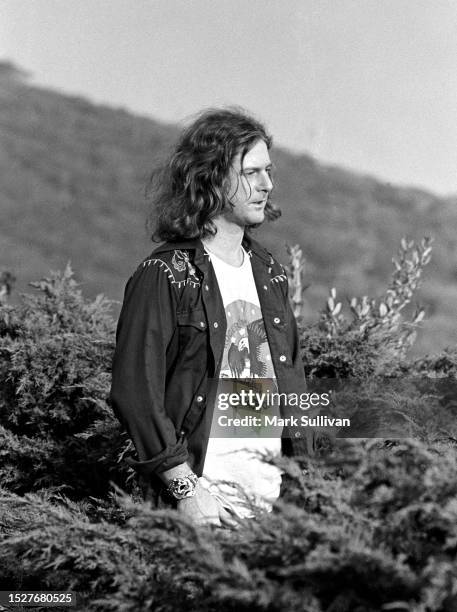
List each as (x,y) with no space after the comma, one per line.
(277,320)
(206,288)
(202,324)
(282,358)
(216,324)
(265,287)
(199,398)
(297,434)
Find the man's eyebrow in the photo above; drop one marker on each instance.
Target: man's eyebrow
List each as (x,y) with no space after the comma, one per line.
(270,165)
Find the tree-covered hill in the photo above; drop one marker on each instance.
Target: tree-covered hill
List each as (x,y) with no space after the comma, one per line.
(72,188)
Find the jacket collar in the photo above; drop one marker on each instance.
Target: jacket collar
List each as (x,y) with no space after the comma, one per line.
(196,244)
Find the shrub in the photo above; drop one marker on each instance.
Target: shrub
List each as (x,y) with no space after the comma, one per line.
(56,427)
(381,535)
(438,366)
(362,358)
(374,338)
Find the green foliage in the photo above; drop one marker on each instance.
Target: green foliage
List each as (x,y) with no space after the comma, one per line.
(364,529)
(441,365)
(385,315)
(362,357)
(55,359)
(376,337)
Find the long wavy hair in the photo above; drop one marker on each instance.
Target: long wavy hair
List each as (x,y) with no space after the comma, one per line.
(191,188)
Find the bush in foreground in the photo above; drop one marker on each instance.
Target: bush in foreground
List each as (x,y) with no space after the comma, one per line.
(56,428)
(382,536)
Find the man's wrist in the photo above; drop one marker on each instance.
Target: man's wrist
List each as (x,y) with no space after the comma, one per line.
(175,472)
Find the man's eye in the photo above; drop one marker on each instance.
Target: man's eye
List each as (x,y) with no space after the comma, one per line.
(254,172)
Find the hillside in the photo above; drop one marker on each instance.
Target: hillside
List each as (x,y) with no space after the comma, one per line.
(72,188)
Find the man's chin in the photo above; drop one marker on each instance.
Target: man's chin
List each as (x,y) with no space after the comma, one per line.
(255,219)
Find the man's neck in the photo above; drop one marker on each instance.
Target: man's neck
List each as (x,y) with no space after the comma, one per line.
(226,244)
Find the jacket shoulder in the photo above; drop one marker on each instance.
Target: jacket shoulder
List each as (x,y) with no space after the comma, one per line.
(175,263)
(276,270)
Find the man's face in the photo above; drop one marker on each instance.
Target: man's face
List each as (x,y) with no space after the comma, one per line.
(250,186)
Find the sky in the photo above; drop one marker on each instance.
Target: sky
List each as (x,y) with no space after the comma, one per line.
(370,85)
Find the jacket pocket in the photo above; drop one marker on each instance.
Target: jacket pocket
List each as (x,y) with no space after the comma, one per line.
(193,339)
(193,318)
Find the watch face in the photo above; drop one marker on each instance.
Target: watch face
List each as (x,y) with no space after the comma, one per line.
(182,487)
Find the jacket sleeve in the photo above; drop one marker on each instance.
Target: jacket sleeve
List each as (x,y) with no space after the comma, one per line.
(146,326)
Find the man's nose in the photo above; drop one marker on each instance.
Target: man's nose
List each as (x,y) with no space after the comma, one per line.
(265,183)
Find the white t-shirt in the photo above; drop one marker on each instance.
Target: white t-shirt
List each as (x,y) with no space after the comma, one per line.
(246,356)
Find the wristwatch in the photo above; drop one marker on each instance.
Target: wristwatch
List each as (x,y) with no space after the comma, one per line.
(183,486)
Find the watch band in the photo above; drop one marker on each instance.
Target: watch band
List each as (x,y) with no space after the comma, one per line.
(183,486)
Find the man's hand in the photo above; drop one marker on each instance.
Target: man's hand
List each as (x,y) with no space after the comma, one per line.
(204,509)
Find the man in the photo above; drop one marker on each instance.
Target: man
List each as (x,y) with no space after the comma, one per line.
(177,332)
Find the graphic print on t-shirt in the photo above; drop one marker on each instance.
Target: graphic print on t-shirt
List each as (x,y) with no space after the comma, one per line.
(246,350)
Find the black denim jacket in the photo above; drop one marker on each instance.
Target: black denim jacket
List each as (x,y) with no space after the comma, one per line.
(169,343)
